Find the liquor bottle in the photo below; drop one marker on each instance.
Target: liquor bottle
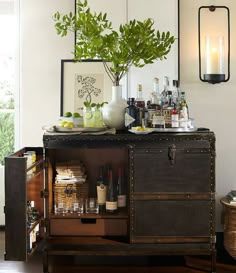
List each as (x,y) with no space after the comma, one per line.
(29,242)
(101,189)
(154,107)
(155,96)
(164,99)
(111,200)
(32,213)
(167,109)
(183,110)
(132,114)
(175,93)
(121,196)
(139,101)
(175,118)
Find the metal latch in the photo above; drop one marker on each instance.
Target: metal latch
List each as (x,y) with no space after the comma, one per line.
(171,154)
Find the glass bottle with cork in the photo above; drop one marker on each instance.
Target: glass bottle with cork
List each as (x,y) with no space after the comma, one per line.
(121,191)
(111,199)
(154,107)
(139,101)
(183,111)
(167,103)
(101,189)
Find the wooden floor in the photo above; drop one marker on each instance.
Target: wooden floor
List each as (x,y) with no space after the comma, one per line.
(123,265)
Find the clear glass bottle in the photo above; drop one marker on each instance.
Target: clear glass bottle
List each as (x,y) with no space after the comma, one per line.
(164,99)
(175,92)
(121,192)
(111,199)
(183,110)
(167,109)
(139,101)
(101,189)
(154,107)
(155,96)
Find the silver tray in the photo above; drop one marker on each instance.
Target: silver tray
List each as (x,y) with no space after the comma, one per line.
(174,130)
(78,129)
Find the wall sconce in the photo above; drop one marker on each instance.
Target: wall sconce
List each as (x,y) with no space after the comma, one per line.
(214,44)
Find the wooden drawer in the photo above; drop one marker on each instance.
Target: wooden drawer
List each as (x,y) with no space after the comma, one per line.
(88,227)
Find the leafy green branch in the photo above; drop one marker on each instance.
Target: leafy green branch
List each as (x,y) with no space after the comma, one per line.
(136,43)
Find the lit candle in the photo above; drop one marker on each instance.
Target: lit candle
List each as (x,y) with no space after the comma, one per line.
(214,61)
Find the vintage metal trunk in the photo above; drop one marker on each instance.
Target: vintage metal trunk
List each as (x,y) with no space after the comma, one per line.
(170,196)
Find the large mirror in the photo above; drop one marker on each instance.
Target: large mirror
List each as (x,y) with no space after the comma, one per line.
(165,14)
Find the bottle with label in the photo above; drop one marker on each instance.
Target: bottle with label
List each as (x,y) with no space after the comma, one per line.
(175,118)
(101,189)
(183,111)
(121,196)
(132,114)
(167,110)
(111,200)
(32,213)
(175,93)
(139,101)
(154,107)
(29,242)
(155,96)
(164,98)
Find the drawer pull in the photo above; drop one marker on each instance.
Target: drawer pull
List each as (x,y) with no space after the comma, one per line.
(88,220)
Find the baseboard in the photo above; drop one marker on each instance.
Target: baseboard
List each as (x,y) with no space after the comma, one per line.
(2,228)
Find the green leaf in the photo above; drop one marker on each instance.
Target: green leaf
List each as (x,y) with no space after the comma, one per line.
(135,43)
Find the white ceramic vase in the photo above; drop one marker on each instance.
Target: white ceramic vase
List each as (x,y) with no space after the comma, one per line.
(114,111)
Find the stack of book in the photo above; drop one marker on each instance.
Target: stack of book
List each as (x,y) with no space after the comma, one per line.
(70,172)
(231,196)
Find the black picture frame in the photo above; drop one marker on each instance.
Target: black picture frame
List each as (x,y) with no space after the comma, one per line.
(70,70)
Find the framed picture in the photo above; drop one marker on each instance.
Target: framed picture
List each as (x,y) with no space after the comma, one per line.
(83,81)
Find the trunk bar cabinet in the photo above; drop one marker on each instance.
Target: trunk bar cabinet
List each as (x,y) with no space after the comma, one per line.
(170,197)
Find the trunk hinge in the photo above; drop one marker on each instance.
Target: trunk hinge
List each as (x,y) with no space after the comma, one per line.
(44,194)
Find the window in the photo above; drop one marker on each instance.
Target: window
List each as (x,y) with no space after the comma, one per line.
(8,78)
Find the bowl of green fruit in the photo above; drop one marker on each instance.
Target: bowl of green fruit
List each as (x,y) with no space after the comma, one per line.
(71,120)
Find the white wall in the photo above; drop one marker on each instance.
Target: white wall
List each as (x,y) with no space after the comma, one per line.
(41,51)
(213,106)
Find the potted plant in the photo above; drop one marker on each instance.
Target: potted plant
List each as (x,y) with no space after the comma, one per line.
(136,43)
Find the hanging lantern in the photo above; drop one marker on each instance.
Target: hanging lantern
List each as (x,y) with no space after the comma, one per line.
(214,44)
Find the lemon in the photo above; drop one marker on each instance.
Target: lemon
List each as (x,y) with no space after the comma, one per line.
(139,128)
(69,124)
(62,123)
(76,115)
(68,115)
